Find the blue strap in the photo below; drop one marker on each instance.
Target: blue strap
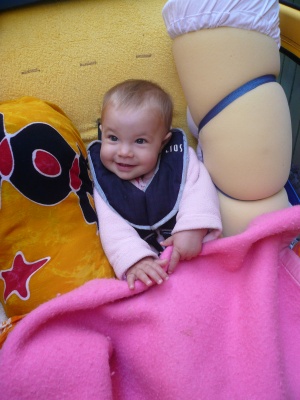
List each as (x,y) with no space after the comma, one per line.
(230,98)
(227,195)
(234,95)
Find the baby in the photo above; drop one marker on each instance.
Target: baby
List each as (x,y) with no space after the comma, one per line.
(150,190)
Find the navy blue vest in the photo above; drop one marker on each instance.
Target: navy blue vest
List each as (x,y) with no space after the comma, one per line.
(156,207)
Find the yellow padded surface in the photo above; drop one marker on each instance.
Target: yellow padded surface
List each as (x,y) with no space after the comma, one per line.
(290,29)
(70,52)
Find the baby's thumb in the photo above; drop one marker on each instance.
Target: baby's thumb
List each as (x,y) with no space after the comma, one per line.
(167,242)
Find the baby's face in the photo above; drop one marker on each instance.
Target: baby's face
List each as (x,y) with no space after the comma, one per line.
(132,140)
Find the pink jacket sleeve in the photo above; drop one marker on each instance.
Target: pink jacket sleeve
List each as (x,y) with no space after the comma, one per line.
(121,243)
(199,206)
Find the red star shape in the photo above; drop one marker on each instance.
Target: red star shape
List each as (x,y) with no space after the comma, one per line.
(16,279)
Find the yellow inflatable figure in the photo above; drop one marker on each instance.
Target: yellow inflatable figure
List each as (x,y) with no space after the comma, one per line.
(227,58)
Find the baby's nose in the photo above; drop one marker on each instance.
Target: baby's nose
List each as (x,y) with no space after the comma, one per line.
(125,150)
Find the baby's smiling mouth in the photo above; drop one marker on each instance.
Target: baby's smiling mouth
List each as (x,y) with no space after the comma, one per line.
(124,167)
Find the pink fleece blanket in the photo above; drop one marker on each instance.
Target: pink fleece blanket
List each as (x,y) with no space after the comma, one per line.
(225,326)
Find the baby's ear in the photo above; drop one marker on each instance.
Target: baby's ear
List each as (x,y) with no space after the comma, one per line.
(166,139)
(99,130)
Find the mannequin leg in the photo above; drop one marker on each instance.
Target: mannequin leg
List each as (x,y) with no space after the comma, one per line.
(247,146)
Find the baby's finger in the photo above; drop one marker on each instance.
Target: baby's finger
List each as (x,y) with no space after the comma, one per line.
(175,257)
(159,271)
(130,281)
(158,275)
(167,242)
(138,275)
(143,277)
(162,263)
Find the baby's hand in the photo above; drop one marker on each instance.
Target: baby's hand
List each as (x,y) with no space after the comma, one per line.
(148,270)
(186,245)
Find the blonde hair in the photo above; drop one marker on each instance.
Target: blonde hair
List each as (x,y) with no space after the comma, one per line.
(138,93)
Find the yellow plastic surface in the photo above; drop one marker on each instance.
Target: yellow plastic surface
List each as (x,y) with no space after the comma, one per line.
(290,29)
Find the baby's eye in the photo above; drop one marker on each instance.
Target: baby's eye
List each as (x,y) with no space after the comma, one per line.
(141,141)
(113,138)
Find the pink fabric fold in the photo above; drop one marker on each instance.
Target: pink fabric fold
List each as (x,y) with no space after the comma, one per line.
(225,326)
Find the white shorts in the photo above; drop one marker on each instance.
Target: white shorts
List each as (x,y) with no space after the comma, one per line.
(182,16)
